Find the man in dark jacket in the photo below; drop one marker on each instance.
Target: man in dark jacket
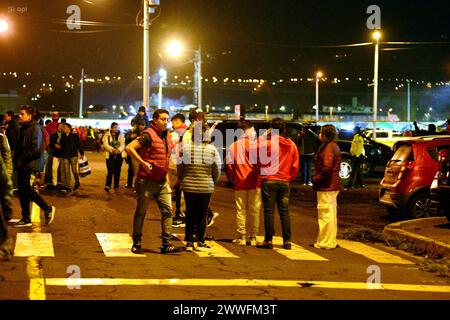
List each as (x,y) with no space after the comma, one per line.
(71,146)
(6,243)
(12,130)
(327,183)
(142,115)
(55,147)
(28,159)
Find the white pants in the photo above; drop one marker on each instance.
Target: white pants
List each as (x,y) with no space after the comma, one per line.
(248,205)
(327,214)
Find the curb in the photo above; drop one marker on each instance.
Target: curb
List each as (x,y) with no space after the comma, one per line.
(431,247)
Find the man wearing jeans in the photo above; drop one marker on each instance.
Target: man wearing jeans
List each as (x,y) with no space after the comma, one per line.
(71,146)
(154,147)
(244,174)
(279,165)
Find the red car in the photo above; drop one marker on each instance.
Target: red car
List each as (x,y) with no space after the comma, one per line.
(409,175)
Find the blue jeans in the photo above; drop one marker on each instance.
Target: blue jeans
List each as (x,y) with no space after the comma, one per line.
(276,193)
(160,191)
(306,161)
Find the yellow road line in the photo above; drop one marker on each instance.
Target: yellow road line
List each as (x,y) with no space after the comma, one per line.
(216,251)
(296,253)
(34,267)
(373,253)
(244,283)
(117,245)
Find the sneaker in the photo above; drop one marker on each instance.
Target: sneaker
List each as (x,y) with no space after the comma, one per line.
(136,248)
(202,246)
(6,250)
(240,241)
(65,189)
(252,241)
(23,224)
(287,245)
(178,223)
(190,247)
(127,186)
(50,215)
(317,246)
(212,218)
(168,248)
(265,245)
(107,189)
(76,186)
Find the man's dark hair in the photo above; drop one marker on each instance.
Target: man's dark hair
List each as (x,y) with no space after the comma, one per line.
(447,122)
(180,117)
(68,125)
(48,121)
(245,125)
(329,132)
(431,128)
(278,124)
(193,114)
(28,109)
(10,113)
(158,112)
(141,109)
(114,124)
(63,120)
(140,122)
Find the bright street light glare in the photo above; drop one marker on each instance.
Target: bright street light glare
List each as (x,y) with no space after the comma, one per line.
(377,35)
(175,48)
(163,73)
(3,26)
(319,74)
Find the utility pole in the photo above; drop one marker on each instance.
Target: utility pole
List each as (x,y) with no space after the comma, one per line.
(80,115)
(198,78)
(377,36)
(149,7)
(408,117)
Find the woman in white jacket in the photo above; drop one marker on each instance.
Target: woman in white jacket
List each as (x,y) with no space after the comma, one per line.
(114,145)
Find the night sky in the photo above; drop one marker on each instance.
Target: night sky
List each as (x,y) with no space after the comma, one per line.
(240,38)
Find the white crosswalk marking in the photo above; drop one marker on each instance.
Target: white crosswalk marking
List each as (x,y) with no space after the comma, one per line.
(372,253)
(34,245)
(117,245)
(296,253)
(216,251)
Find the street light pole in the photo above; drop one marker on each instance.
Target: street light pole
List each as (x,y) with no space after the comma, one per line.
(409,102)
(318,76)
(198,78)
(146,71)
(377,36)
(81,93)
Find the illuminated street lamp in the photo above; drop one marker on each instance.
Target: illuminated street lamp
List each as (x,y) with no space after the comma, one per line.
(4,26)
(376,36)
(319,75)
(162,80)
(175,49)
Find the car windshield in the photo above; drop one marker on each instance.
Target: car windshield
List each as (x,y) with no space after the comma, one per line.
(404,152)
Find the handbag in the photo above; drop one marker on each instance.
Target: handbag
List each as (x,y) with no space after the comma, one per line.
(83,167)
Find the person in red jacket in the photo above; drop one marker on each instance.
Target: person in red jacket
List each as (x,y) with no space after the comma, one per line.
(244,174)
(155,147)
(327,183)
(278,161)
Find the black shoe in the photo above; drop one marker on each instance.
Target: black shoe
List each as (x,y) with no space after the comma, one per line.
(50,215)
(65,189)
(136,249)
(287,245)
(107,189)
(49,187)
(128,186)
(23,224)
(265,245)
(76,186)
(168,248)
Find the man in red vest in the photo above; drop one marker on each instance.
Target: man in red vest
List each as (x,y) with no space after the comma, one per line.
(155,147)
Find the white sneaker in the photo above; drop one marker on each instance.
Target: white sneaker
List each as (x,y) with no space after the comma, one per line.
(203,247)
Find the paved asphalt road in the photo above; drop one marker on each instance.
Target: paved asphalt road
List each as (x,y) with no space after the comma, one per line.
(77,257)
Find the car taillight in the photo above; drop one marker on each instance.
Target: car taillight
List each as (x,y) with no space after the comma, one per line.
(405,168)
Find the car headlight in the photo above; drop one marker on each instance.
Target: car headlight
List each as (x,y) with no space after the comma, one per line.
(435,184)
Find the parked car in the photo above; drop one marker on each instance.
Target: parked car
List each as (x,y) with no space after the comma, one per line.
(440,188)
(409,174)
(377,156)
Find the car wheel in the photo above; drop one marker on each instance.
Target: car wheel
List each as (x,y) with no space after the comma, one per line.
(346,170)
(421,206)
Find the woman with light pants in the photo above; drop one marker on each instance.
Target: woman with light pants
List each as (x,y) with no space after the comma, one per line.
(327,183)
